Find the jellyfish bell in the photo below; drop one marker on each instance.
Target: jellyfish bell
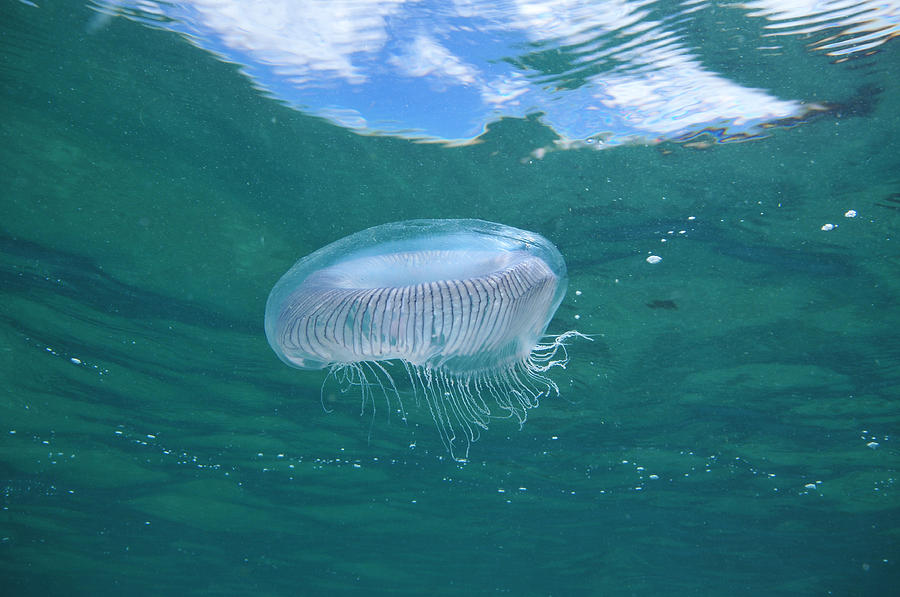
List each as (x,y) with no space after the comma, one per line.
(463,305)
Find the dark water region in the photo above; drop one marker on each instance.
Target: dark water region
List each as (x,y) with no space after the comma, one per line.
(729,430)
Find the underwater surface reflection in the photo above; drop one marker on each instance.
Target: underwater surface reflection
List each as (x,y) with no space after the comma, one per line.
(601,72)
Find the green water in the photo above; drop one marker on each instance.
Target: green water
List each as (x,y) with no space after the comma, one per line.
(731,430)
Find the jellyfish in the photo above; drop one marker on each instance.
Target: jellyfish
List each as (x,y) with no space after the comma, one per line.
(461,305)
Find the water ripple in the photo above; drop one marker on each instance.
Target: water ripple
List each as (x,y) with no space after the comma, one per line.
(598,72)
(848,26)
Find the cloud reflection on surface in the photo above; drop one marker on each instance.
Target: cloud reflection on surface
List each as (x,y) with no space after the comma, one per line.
(596,72)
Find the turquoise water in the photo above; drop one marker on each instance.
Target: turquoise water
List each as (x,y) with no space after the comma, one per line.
(730,430)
